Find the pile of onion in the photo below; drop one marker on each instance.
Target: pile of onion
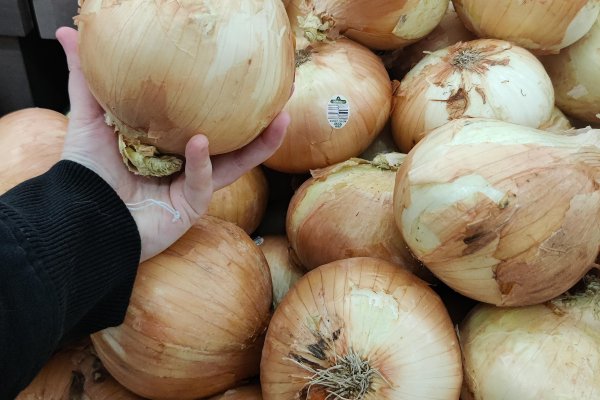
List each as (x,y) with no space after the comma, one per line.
(32,140)
(378,24)
(251,392)
(244,202)
(196,317)
(361,328)
(449,31)
(346,211)
(576,77)
(482,78)
(75,373)
(543,26)
(342,100)
(502,213)
(283,264)
(165,71)
(546,351)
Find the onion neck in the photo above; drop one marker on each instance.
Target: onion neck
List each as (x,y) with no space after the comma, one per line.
(145,160)
(388,161)
(316,27)
(584,300)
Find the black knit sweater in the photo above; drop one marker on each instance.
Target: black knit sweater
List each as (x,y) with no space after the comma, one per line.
(69,251)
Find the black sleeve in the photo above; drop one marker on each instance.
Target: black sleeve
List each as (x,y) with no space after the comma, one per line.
(69,251)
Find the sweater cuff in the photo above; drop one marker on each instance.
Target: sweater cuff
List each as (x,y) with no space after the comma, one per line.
(86,240)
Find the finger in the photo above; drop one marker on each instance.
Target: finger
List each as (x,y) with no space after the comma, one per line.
(227,168)
(83,105)
(197,186)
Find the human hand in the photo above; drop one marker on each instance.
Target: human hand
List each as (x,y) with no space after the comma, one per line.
(154,202)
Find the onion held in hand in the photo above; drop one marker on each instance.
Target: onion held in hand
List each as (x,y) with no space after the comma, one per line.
(195,319)
(502,213)
(31,140)
(547,351)
(361,328)
(167,70)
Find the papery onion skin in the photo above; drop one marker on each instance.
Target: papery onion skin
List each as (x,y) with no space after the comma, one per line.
(165,71)
(502,213)
(32,140)
(373,310)
(283,265)
(195,319)
(541,26)
(547,351)
(558,122)
(485,78)
(74,373)
(377,24)
(346,211)
(342,68)
(576,77)
(242,393)
(244,202)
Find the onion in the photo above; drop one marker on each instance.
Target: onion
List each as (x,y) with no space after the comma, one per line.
(283,264)
(32,140)
(165,71)
(244,202)
(75,373)
(361,328)
(502,213)
(383,143)
(252,392)
(481,78)
(378,24)
(346,211)
(548,351)
(341,101)
(195,317)
(574,73)
(449,31)
(558,122)
(543,26)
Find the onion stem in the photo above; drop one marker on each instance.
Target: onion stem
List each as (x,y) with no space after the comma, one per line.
(316,27)
(145,160)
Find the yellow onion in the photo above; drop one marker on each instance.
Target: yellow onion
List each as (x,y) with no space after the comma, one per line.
(341,101)
(32,140)
(547,351)
(558,122)
(502,213)
(165,71)
(482,78)
(378,24)
(361,328)
(195,319)
(244,202)
(543,26)
(576,77)
(251,392)
(346,211)
(75,373)
(283,264)
(449,31)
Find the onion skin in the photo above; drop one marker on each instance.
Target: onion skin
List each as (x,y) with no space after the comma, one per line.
(482,78)
(371,308)
(558,122)
(377,24)
(502,213)
(75,373)
(283,265)
(244,202)
(165,71)
(547,351)
(32,140)
(346,211)
(242,393)
(194,323)
(574,73)
(342,68)
(542,26)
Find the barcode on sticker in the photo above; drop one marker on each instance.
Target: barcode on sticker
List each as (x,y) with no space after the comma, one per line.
(338,111)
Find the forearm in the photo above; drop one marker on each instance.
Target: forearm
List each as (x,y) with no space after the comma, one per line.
(68,255)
